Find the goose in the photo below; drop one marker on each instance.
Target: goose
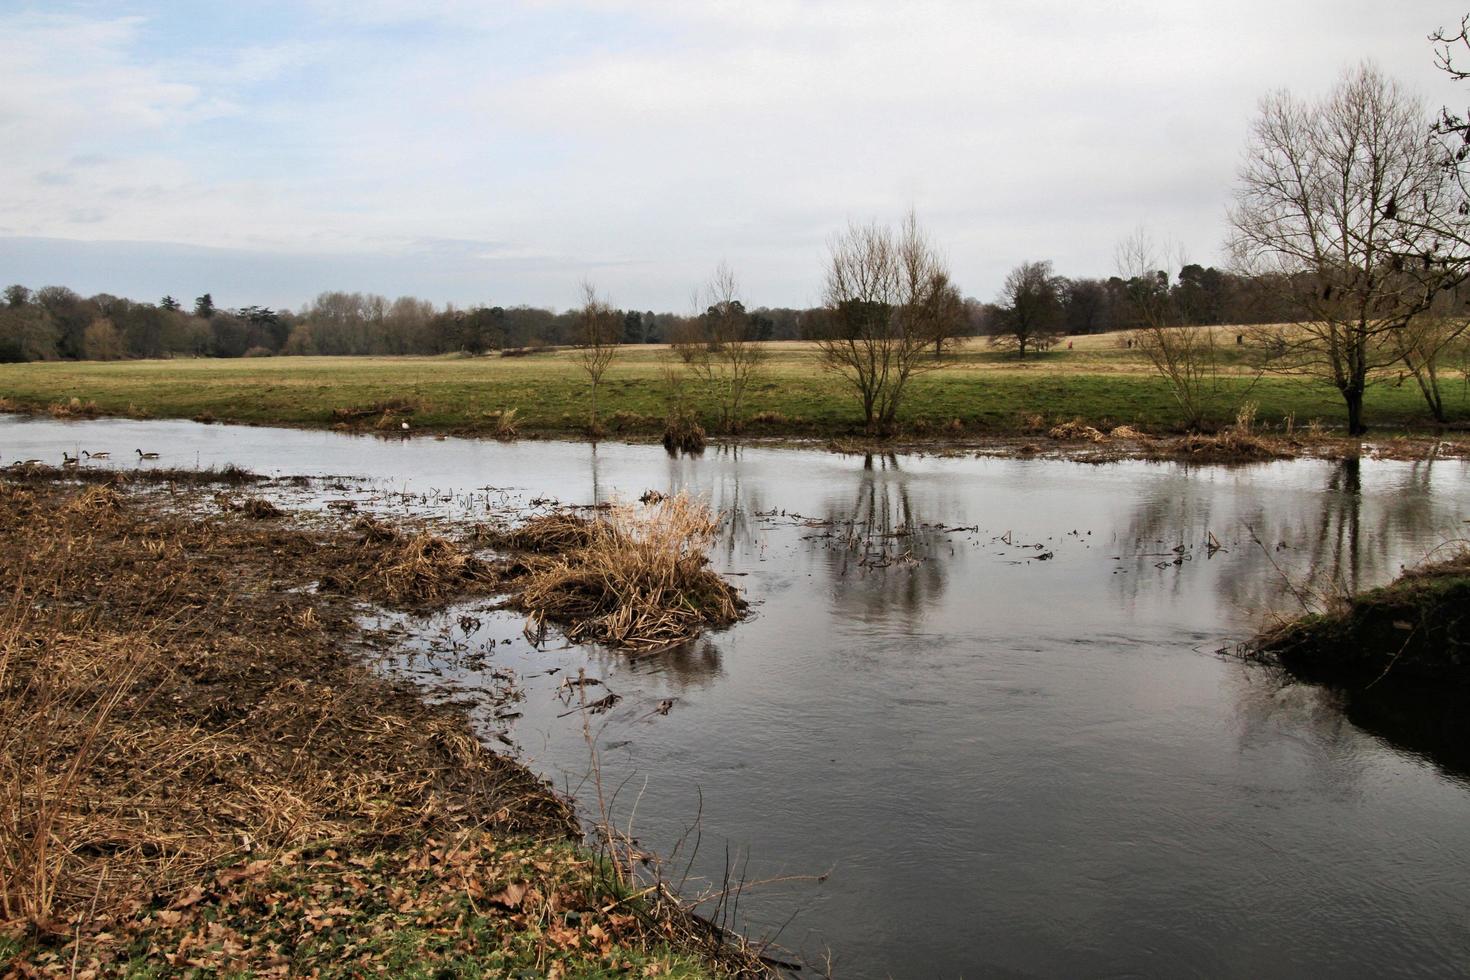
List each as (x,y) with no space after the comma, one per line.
(143,455)
(68,461)
(95,455)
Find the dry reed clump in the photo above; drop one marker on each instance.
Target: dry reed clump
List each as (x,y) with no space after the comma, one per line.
(548,534)
(628,577)
(1076,429)
(74,408)
(97,499)
(1126,432)
(505,424)
(260,509)
(683,434)
(1237,444)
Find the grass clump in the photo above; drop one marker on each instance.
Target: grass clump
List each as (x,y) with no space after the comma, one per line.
(683,434)
(74,408)
(1074,430)
(505,424)
(1240,443)
(628,577)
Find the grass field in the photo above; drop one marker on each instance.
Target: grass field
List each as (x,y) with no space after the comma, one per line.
(988,392)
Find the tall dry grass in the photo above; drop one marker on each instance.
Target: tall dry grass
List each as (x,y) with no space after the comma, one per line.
(632,576)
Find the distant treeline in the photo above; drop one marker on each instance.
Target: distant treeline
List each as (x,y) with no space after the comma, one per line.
(55,323)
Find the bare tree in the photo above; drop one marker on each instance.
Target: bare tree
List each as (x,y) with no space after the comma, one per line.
(880,299)
(723,350)
(1346,206)
(1183,354)
(1031,309)
(949,317)
(599,329)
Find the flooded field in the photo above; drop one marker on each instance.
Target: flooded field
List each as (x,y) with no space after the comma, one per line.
(982,697)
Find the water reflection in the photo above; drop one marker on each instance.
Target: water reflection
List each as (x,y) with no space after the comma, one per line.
(683,667)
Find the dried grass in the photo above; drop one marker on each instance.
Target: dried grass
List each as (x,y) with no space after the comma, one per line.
(683,433)
(628,577)
(74,408)
(171,698)
(406,567)
(1237,444)
(1076,429)
(506,426)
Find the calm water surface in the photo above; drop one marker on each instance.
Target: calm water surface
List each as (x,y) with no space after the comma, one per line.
(984,694)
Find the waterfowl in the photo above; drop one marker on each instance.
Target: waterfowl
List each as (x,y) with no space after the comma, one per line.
(68,461)
(95,455)
(143,455)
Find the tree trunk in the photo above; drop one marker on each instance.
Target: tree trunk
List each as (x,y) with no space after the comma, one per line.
(1354,397)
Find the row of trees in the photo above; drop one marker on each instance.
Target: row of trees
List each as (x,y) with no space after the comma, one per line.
(56,323)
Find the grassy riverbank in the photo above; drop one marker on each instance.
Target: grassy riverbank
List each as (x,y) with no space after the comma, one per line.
(200,775)
(979,393)
(1414,631)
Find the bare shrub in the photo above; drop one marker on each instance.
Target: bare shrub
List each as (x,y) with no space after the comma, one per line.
(882,295)
(599,332)
(723,350)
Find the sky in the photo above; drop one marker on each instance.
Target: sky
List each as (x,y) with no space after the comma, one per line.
(503,151)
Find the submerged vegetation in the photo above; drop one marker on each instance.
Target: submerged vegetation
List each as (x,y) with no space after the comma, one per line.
(198,772)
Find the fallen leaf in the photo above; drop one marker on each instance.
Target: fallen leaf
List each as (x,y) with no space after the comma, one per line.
(510,896)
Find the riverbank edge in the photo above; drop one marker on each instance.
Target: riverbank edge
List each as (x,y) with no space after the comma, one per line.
(435,865)
(1413,633)
(1083,443)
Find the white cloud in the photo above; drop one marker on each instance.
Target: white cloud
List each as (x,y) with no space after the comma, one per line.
(655,138)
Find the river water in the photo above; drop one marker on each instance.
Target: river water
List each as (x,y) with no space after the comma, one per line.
(982,696)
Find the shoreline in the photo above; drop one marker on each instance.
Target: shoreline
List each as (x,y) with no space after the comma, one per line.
(248,792)
(1082,443)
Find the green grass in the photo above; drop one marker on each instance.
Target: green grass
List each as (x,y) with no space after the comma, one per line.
(430,911)
(988,392)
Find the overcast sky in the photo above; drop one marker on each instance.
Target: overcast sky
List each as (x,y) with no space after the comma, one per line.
(502,151)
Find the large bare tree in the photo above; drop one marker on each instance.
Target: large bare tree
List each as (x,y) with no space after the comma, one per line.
(1345,204)
(883,292)
(599,330)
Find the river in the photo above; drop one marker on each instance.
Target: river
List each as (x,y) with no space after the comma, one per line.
(984,697)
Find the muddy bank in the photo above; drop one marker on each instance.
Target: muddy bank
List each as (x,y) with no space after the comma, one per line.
(198,770)
(1412,633)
